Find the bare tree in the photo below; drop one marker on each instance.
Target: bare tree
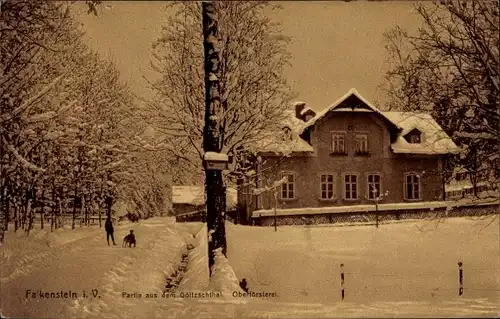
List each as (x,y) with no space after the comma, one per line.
(450,67)
(252,86)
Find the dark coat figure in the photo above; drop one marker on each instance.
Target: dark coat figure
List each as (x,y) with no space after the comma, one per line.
(108,226)
(243,285)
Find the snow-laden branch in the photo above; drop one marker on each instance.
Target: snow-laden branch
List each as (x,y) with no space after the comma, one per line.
(275,185)
(49,115)
(29,103)
(23,161)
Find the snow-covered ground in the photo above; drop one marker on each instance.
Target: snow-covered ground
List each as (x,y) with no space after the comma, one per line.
(405,262)
(397,270)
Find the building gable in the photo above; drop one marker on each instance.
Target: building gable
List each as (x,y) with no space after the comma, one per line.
(352,101)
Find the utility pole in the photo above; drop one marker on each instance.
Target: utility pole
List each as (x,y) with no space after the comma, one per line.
(214,184)
(4,217)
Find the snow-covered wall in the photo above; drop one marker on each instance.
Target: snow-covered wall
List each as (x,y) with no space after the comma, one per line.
(197,275)
(223,276)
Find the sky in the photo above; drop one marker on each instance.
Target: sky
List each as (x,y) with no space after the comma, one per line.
(336,45)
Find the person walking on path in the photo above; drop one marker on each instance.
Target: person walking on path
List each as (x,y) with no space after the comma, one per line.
(108,226)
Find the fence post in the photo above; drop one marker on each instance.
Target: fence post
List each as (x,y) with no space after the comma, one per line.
(342,280)
(460,279)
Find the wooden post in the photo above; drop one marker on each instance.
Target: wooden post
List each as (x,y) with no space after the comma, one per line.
(342,280)
(376,213)
(275,209)
(460,279)
(214,184)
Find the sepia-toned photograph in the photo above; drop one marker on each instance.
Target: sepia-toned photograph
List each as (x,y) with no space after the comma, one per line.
(249,159)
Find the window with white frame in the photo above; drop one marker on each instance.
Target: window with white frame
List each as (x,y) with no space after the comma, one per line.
(338,143)
(327,186)
(351,186)
(361,143)
(374,186)
(288,187)
(412,186)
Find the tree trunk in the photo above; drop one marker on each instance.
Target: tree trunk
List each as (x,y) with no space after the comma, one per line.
(214,184)
(16,219)
(275,209)
(42,209)
(24,210)
(3,211)
(60,213)
(83,212)
(7,211)
(215,213)
(53,209)
(100,215)
(29,213)
(74,208)
(89,211)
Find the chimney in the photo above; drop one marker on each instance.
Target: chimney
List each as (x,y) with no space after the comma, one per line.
(299,106)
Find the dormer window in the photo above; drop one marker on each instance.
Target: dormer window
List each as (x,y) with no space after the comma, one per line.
(287,133)
(414,137)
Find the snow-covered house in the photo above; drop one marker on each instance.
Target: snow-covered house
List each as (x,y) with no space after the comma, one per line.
(347,155)
(461,185)
(190,199)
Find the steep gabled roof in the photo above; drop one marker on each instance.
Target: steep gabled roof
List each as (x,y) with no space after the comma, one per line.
(338,107)
(434,140)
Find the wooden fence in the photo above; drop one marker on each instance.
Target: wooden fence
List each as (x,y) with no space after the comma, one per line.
(378,217)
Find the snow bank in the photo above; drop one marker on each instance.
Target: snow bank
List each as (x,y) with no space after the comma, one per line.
(20,254)
(223,276)
(197,276)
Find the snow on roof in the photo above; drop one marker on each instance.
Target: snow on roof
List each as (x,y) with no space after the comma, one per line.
(351,92)
(280,143)
(306,109)
(353,208)
(276,144)
(433,140)
(291,121)
(195,195)
(457,185)
(463,185)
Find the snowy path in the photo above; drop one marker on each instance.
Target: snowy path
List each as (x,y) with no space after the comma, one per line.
(299,264)
(84,264)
